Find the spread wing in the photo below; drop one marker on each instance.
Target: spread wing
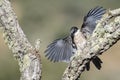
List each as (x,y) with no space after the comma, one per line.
(90,19)
(60,50)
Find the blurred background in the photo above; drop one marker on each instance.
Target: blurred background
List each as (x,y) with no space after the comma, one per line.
(52,19)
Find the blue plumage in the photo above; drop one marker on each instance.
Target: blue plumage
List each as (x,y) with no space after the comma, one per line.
(60,50)
(90,19)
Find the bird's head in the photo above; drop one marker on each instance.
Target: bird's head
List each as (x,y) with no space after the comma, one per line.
(73,31)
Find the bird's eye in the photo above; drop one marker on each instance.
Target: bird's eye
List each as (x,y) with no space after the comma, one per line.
(73,30)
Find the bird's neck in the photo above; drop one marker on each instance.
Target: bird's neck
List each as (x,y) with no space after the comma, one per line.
(79,40)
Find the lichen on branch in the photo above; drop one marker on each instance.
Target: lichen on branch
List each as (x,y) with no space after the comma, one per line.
(27,55)
(106,34)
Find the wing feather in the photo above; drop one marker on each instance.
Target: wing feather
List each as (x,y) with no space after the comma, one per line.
(59,50)
(90,19)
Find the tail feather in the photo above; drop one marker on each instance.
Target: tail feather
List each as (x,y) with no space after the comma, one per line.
(87,66)
(97,62)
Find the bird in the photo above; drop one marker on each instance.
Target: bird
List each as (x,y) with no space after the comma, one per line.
(62,49)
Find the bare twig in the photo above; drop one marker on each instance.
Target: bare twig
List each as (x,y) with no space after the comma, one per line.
(27,55)
(106,34)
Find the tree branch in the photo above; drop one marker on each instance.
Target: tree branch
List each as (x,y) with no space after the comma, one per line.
(26,54)
(106,34)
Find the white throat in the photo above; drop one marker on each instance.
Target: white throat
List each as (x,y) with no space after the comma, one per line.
(79,39)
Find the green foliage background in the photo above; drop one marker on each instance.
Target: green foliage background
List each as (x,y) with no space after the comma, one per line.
(52,19)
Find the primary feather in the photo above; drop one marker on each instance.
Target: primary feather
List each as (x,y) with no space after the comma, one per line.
(60,50)
(90,19)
